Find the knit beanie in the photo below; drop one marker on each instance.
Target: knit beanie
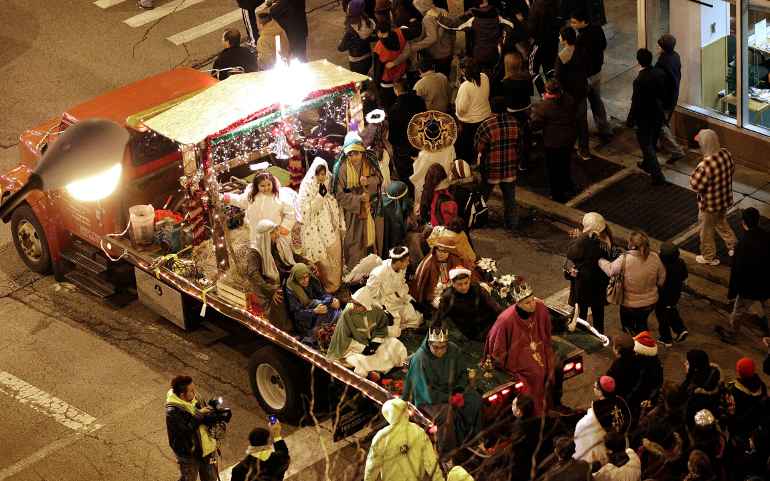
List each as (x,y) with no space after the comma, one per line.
(645,345)
(667,42)
(745,368)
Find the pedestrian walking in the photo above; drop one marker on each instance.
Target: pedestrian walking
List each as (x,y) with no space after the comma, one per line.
(358,37)
(646,113)
(186,418)
(671,64)
(406,105)
(435,43)
(712,179)
(390,44)
(267,457)
(590,282)
(233,57)
(517,89)
(591,44)
(497,142)
(555,116)
(669,294)
(748,276)
(268,48)
(471,107)
(642,274)
(433,86)
(543,25)
(571,73)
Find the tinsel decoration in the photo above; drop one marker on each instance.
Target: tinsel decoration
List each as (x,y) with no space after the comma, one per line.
(280,147)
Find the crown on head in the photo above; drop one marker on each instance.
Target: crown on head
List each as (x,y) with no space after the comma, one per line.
(438,335)
(520,289)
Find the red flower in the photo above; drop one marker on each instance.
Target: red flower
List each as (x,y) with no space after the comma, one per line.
(457,400)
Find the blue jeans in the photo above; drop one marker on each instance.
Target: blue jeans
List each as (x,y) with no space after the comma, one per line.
(508,189)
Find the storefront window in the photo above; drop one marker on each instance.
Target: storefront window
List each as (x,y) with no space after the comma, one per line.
(705,40)
(757,57)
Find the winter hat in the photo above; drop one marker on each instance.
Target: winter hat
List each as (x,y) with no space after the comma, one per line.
(624,342)
(355,8)
(669,251)
(645,344)
(458,473)
(606,385)
(593,223)
(667,42)
(461,172)
(697,359)
(745,368)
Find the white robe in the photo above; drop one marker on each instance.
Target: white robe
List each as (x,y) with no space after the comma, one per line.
(389,288)
(323,224)
(444,157)
(266,207)
(589,439)
(389,354)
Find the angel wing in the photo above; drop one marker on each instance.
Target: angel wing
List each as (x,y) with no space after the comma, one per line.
(362,269)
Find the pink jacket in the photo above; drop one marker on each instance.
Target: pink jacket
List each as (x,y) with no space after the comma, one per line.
(641,278)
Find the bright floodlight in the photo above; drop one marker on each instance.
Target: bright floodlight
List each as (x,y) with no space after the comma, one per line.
(97,186)
(292,82)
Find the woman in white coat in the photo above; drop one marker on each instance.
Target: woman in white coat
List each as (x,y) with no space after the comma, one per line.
(322,225)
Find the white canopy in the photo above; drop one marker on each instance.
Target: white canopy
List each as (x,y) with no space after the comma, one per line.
(240,96)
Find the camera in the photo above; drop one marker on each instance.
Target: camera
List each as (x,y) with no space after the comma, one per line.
(217,419)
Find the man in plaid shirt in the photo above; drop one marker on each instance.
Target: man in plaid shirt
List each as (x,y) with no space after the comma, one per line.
(498,146)
(712,179)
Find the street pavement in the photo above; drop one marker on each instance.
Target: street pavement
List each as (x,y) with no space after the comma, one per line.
(83,383)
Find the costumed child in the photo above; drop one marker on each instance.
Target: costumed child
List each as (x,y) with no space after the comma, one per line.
(387,283)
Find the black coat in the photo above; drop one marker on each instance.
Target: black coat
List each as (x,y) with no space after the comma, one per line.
(591,44)
(400,113)
(572,76)
(591,281)
(355,45)
(472,313)
(182,429)
(749,396)
(291,16)
(544,23)
(676,274)
(750,274)
(517,91)
(556,117)
(647,100)
(649,384)
(625,370)
(235,57)
(273,469)
(671,65)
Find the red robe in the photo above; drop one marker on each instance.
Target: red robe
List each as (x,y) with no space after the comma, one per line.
(510,343)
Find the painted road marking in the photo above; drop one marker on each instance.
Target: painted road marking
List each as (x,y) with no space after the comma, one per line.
(159,12)
(41,454)
(44,403)
(206,28)
(107,3)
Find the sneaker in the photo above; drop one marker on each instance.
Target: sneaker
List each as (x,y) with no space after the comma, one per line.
(681,336)
(702,260)
(731,252)
(665,342)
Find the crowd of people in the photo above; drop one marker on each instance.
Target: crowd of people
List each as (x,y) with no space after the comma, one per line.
(379,243)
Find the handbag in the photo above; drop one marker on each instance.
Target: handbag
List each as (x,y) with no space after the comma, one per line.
(615,287)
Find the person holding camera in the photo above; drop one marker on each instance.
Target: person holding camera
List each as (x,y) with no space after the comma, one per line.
(186,422)
(267,457)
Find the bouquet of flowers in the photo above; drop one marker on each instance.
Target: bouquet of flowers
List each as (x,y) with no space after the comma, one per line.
(501,289)
(487,269)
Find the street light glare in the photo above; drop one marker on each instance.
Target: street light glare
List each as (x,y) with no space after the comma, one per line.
(97,186)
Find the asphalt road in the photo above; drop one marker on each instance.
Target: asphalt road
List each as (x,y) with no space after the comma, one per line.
(82,384)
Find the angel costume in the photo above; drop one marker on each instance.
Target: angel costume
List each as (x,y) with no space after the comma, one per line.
(361,215)
(322,226)
(390,289)
(357,332)
(267,206)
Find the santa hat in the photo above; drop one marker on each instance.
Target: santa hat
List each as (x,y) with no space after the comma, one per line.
(645,344)
(457,272)
(745,368)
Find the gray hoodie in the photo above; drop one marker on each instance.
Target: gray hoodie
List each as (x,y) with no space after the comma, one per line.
(437,41)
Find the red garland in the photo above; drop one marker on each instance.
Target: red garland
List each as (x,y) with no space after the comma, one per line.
(271,108)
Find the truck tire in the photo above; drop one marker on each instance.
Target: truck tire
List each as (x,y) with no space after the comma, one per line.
(30,240)
(280,382)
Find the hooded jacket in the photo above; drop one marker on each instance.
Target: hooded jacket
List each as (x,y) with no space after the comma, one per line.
(701,384)
(650,381)
(751,264)
(437,41)
(747,398)
(591,43)
(401,451)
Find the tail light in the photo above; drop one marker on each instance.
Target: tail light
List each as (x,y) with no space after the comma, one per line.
(493,398)
(519,386)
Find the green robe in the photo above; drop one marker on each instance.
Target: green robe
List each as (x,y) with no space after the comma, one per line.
(361,327)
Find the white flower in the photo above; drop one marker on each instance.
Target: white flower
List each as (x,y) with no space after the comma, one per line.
(487,264)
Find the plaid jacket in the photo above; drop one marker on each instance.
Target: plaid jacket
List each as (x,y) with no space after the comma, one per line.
(498,143)
(712,179)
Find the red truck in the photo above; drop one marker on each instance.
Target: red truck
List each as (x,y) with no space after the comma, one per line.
(76,240)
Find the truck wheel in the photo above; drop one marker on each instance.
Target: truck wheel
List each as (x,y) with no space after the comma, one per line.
(280,383)
(30,241)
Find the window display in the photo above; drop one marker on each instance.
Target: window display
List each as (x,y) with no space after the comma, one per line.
(757,54)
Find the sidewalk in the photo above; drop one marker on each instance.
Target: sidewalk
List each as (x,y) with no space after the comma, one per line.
(667,213)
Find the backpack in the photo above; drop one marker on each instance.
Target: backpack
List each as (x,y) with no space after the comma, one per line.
(444,208)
